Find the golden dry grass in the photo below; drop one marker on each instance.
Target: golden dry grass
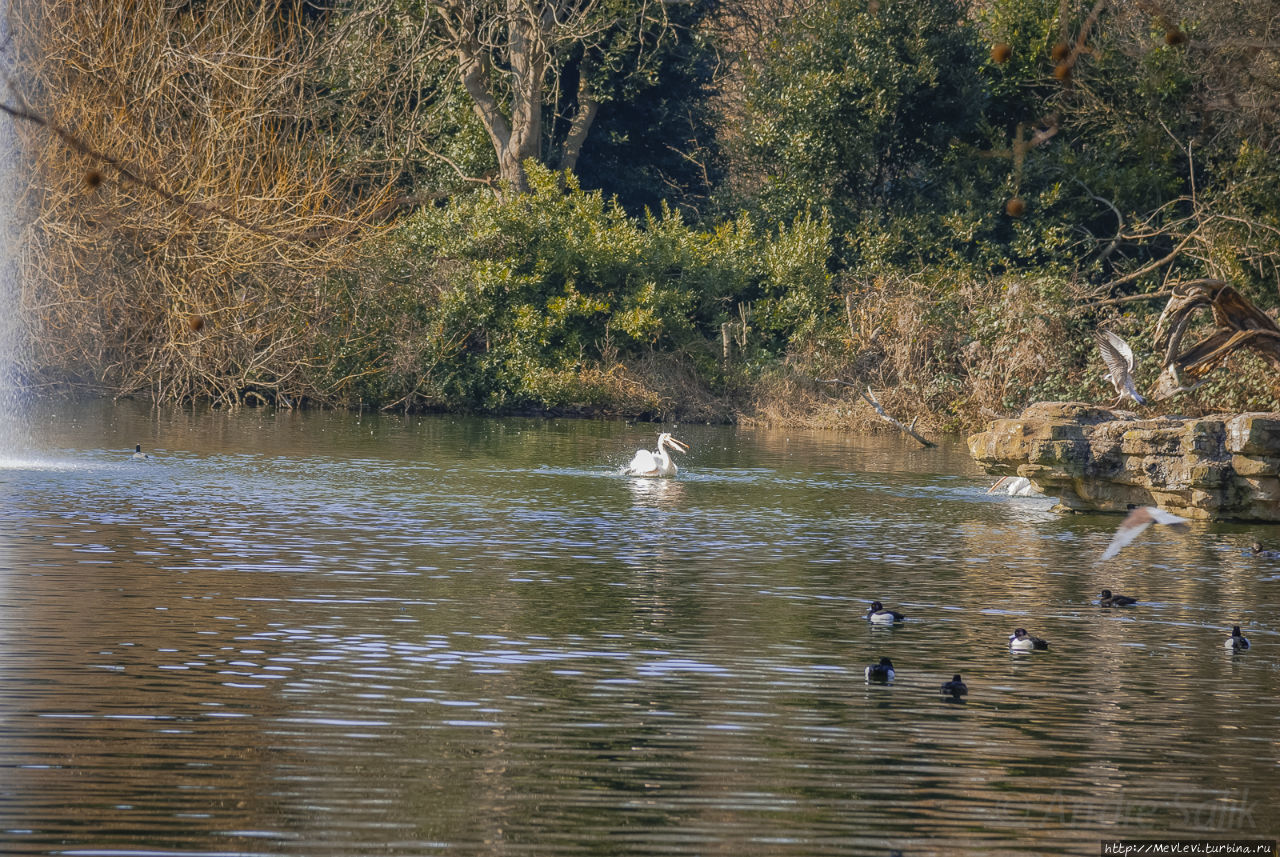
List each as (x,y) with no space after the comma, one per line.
(952,353)
(177,173)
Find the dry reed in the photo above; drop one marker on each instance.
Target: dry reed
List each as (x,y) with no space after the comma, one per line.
(182,170)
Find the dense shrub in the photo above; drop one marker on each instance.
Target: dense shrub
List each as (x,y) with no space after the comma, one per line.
(557,299)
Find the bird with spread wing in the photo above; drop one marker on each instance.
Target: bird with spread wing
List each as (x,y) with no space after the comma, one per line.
(1137,521)
(1119,359)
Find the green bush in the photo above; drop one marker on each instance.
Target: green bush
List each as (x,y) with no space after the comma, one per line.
(558,300)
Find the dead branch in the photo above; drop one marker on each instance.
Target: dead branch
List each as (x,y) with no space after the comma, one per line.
(1153,266)
(1125,299)
(870,398)
(1237,323)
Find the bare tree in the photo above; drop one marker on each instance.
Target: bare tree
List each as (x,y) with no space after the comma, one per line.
(510,55)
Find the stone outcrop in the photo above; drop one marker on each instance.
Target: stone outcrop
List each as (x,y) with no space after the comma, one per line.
(1092,458)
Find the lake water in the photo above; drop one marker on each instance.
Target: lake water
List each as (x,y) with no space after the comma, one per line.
(314,633)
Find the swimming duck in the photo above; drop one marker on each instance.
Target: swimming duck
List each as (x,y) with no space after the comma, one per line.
(1109,600)
(1237,642)
(880,616)
(955,688)
(882,671)
(1255,549)
(1021,641)
(138,454)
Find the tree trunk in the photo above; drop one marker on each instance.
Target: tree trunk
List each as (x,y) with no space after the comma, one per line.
(505,50)
(473,67)
(519,138)
(528,67)
(578,127)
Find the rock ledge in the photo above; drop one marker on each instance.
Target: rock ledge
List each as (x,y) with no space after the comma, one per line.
(1091,458)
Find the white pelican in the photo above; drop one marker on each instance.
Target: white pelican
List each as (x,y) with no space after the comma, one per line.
(1119,359)
(656,463)
(1137,521)
(1017,486)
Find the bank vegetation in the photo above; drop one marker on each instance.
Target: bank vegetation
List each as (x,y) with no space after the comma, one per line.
(698,210)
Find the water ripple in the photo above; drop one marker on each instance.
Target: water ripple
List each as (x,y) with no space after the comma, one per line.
(311,634)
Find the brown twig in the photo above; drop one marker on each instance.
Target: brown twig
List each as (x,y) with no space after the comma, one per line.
(870,398)
(1126,299)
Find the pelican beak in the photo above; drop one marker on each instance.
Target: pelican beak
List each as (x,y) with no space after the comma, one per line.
(999,482)
(678,444)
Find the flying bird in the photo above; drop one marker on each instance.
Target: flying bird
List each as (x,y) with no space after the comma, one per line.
(1119,359)
(657,463)
(1137,521)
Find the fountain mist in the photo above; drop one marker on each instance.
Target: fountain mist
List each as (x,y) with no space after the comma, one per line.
(14,432)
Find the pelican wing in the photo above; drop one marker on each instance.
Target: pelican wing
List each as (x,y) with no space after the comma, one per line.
(1023,488)
(645,463)
(1017,486)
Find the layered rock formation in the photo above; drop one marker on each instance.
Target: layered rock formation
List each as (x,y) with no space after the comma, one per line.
(1088,457)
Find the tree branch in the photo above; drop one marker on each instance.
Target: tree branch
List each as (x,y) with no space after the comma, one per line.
(578,127)
(1157,264)
(870,398)
(1126,299)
